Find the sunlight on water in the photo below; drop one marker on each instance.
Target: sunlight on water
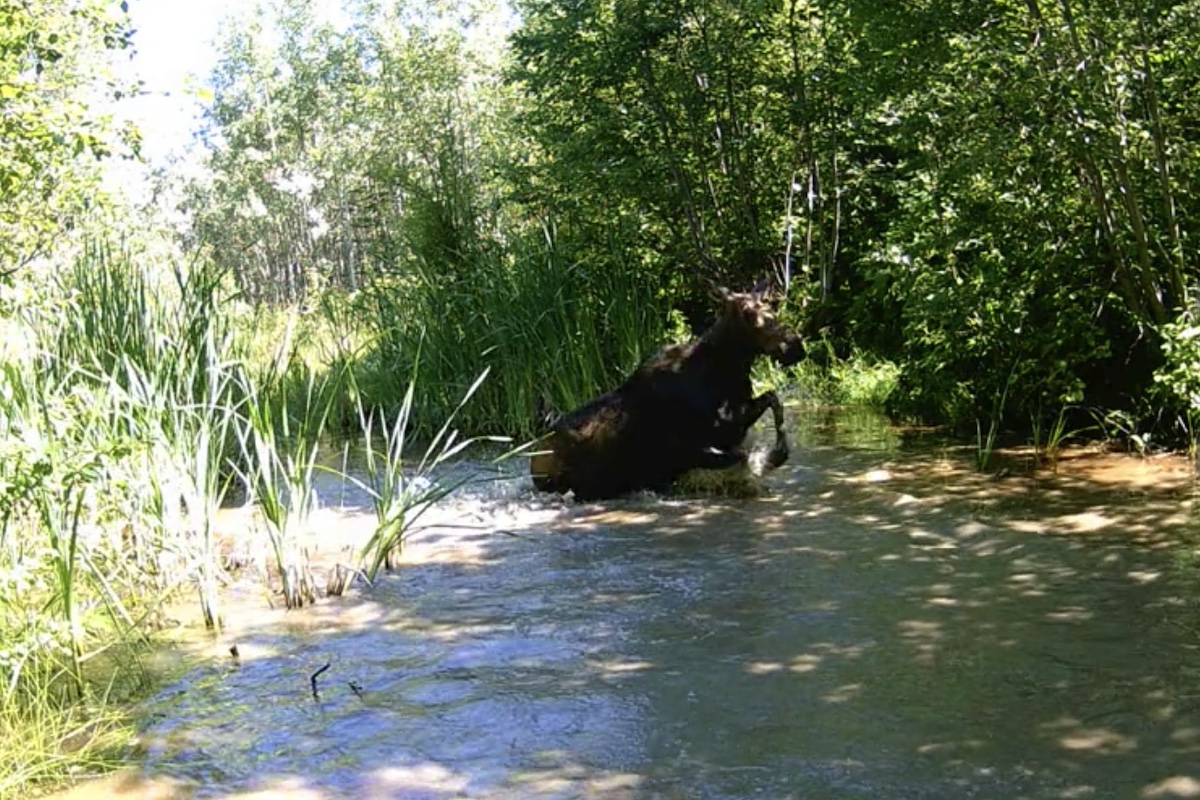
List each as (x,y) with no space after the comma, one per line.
(881,622)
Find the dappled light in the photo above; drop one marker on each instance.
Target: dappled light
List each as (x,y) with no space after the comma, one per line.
(1175,786)
(247,247)
(883,622)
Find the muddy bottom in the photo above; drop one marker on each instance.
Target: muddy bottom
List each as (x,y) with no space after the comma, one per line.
(883,623)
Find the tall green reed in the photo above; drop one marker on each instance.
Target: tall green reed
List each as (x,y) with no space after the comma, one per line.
(166,346)
(401,489)
(280,443)
(117,409)
(1049,437)
(549,327)
(122,428)
(188,465)
(60,598)
(985,444)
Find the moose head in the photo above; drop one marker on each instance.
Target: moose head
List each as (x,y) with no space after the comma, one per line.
(751,316)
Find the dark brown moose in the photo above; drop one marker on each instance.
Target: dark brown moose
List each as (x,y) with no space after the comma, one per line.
(688,407)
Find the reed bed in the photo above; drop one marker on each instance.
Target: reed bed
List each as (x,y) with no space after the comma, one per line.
(545,325)
(141,402)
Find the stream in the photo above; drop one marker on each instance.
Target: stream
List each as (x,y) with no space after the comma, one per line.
(882,622)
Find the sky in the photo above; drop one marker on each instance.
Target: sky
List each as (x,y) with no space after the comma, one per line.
(173,54)
(173,40)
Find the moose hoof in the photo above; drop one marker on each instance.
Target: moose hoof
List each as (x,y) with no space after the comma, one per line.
(777,457)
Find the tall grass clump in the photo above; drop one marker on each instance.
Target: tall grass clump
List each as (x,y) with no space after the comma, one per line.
(188,467)
(1048,435)
(279,450)
(402,488)
(325,337)
(115,438)
(985,443)
(51,468)
(127,415)
(546,326)
(72,612)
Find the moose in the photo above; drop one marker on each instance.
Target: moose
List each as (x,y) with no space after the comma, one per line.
(688,407)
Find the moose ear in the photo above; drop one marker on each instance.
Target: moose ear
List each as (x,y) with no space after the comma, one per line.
(718,293)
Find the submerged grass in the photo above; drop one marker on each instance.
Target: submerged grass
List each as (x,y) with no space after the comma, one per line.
(43,743)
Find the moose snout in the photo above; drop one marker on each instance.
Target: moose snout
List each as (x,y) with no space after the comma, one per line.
(789,351)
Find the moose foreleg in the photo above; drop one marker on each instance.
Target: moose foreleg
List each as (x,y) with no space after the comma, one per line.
(779,453)
(733,427)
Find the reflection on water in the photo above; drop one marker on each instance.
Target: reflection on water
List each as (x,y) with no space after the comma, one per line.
(880,624)
(846,429)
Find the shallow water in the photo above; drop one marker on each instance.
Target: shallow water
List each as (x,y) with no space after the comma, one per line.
(883,623)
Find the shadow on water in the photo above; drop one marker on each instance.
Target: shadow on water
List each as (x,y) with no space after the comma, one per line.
(884,623)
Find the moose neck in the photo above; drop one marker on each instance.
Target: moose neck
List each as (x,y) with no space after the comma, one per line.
(730,344)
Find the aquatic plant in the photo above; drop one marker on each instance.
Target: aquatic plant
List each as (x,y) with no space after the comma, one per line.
(32,734)
(1048,440)
(118,435)
(279,452)
(69,596)
(402,490)
(985,445)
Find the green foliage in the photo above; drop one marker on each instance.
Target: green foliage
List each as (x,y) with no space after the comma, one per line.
(1177,380)
(122,424)
(55,58)
(980,194)
(1038,208)
(687,123)
(825,379)
(972,191)
(546,327)
(122,374)
(865,381)
(1179,375)
(115,434)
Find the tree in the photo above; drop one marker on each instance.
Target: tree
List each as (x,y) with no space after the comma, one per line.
(55,77)
(341,153)
(1038,242)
